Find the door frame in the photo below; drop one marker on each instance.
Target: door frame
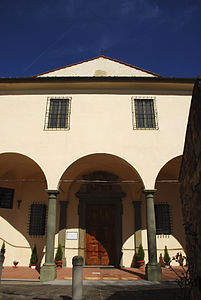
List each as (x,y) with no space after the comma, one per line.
(97,194)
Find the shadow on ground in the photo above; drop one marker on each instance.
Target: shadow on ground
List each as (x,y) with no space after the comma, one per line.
(174,294)
(134,273)
(62,297)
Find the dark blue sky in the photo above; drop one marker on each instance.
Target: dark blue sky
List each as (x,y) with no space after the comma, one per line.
(162,36)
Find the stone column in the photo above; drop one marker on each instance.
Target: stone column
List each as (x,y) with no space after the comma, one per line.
(62,228)
(48,270)
(137,224)
(82,227)
(153,269)
(118,227)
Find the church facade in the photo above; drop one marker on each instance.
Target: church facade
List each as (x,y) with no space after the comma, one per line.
(89,158)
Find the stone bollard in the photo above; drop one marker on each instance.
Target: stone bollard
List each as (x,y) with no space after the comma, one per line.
(1,263)
(77,278)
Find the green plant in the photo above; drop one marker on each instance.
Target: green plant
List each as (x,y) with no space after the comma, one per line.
(34,257)
(3,246)
(59,253)
(184,279)
(140,253)
(166,257)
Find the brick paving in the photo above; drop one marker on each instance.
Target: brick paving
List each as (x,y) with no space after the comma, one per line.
(89,273)
(99,284)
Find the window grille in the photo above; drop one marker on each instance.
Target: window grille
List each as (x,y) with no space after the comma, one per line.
(6,197)
(144,113)
(163,220)
(57,114)
(37,219)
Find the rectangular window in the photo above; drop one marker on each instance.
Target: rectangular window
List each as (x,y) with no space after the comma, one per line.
(37,219)
(144,113)
(163,221)
(6,197)
(58,114)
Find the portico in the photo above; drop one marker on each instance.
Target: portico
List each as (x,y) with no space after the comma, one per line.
(102,207)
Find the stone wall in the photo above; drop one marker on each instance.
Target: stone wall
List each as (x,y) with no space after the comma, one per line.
(190,178)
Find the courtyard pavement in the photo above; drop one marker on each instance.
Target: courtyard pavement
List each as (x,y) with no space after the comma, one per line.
(90,273)
(99,283)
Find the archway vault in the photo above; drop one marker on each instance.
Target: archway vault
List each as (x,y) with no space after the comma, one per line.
(100,161)
(168,193)
(100,184)
(22,184)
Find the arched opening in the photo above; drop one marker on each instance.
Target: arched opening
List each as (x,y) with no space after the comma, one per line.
(168,209)
(22,191)
(100,190)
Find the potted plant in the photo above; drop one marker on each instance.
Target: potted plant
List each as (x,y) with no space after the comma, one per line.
(166,258)
(3,248)
(161,261)
(34,257)
(58,256)
(140,256)
(15,262)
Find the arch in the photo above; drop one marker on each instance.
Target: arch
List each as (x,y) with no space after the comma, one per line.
(168,193)
(101,161)
(22,177)
(21,162)
(109,172)
(170,170)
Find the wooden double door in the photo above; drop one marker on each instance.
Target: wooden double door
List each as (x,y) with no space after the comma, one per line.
(100,234)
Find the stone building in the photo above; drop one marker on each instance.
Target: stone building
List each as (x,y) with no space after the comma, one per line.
(90,154)
(191,189)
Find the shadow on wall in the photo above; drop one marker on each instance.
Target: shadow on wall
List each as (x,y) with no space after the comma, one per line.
(23,176)
(168,192)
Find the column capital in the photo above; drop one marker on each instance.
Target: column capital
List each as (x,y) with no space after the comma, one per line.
(55,192)
(149,191)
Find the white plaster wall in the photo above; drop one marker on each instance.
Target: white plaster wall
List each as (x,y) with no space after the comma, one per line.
(17,247)
(71,247)
(98,67)
(170,241)
(98,124)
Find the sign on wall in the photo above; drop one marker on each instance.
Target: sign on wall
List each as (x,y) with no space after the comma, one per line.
(71,235)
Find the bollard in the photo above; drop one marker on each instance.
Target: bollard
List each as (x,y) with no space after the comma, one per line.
(1,263)
(77,278)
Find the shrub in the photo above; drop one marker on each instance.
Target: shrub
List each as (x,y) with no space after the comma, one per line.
(59,253)
(140,253)
(166,257)
(3,246)
(34,257)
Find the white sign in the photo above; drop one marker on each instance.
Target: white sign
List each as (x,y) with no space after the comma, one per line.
(71,236)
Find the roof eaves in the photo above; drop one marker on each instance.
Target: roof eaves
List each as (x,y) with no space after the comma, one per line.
(97,79)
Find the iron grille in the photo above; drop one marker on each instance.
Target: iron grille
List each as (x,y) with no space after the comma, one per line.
(144,113)
(6,197)
(163,220)
(57,114)
(37,219)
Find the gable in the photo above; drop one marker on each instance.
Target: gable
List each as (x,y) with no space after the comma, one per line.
(99,67)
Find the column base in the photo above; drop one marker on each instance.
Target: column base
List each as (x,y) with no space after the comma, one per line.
(48,272)
(153,272)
